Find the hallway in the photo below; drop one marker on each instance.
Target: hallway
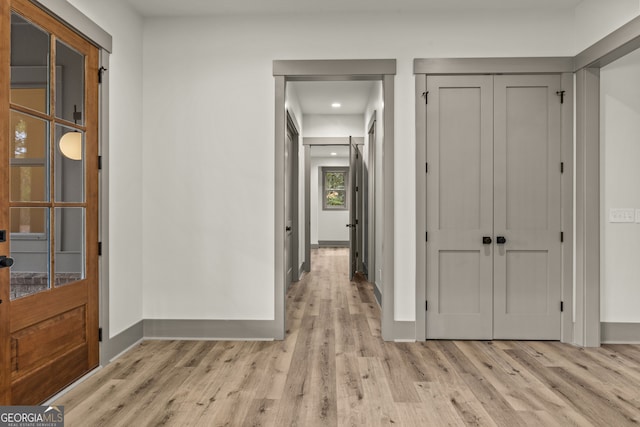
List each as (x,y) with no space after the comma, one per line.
(333,369)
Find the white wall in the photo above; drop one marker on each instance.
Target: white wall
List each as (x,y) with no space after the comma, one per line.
(333,125)
(125,158)
(326,225)
(620,175)
(208,139)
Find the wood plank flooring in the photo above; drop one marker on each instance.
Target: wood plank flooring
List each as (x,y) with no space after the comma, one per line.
(333,369)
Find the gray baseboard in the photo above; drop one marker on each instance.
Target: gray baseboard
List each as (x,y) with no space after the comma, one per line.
(264,330)
(377,294)
(333,243)
(404,330)
(121,342)
(620,333)
(314,246)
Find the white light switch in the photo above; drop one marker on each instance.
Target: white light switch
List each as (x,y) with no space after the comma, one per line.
(622,215)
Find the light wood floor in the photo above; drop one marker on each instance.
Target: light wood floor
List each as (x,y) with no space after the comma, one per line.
(333,369)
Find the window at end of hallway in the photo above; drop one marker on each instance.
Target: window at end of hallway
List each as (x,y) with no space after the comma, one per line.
(334,188)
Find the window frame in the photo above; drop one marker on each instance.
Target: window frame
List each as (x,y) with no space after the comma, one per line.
(335,169)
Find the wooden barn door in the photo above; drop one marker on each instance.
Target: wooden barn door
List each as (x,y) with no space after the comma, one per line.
(48,205)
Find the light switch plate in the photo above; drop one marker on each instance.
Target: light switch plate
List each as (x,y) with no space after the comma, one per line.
(622,215)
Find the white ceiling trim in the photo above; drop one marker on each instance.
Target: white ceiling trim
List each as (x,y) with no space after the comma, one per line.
(272,7)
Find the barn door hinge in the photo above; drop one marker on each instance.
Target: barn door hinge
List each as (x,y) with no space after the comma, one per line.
(426,306)
(561,306)
(99,248)
(101,71)
(560,93)
(357,255)
(99,334)
(425,95)
(561,236)
(561,167)
(99,163)
(356,188)
(426,167)
(426,236)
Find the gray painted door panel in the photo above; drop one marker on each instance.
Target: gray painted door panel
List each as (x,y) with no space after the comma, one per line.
(527,270)
(459,207)
(493,152)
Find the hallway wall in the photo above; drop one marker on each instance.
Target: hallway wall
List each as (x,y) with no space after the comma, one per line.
(198,100)
(620,155)
(193,207)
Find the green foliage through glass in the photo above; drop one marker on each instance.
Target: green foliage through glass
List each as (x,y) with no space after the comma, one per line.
(335,192)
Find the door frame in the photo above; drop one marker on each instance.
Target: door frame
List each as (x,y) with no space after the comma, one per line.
(371,208)
(589,331)
(307,143)
(79,22)
(422,68)
(331,70)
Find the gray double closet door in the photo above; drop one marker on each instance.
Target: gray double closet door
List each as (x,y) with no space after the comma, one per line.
(494,207)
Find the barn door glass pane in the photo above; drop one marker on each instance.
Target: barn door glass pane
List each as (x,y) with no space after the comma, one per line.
(30,249)
(69,165)
(29,65)
(29,154)
(70,246)
(69,84)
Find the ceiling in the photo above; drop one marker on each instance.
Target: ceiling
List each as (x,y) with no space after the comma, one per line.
(341,151)
(236,7)
(317,97)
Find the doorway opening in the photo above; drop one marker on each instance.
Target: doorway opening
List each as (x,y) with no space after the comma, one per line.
(349,199)
(334,119)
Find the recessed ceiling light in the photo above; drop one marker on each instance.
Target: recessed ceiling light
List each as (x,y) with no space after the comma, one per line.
(336,105)
(334,154)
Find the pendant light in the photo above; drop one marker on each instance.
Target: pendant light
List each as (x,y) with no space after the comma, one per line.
(71,142)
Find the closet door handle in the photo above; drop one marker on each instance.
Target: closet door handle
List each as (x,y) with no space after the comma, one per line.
(486,240)
(501,240)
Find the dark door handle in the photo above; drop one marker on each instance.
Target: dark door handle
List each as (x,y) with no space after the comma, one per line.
(350,225)
(501,240)
(486,240)
(5,261)
(288,228)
